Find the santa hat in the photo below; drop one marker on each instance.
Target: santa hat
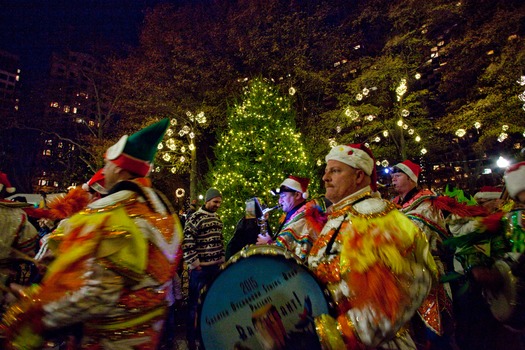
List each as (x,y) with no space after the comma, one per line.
(515,179)
(488,192)
(4,182)
(135,153)
(96,183)
(357,156)
(298,184)
(411,169)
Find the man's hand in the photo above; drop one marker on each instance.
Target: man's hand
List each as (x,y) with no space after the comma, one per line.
(264,239)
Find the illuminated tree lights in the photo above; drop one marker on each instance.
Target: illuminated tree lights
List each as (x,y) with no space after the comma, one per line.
(259,149)
(376,124)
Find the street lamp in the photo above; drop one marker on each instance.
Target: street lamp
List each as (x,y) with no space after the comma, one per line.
(502,162)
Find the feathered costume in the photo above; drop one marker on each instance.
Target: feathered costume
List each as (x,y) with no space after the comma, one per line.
(113,266)
(377,266)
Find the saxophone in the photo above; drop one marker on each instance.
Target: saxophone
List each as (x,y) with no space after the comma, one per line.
(262,220)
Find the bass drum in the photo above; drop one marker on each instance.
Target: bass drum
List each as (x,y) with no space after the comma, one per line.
(507,304)
(263,298)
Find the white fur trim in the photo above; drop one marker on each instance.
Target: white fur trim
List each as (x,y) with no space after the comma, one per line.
(116,150)
(294,185)
(487,195)
(515,181)
(358,159)
(407,171)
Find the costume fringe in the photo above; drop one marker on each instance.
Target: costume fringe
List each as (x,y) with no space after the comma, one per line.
(62,207)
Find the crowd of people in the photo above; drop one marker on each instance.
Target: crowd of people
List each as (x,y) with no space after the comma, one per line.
(420,270)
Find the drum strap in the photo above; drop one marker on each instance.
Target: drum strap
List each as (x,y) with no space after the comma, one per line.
(334,236)
(328,250)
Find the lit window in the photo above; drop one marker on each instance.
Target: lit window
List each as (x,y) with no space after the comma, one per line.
(74,110)
(55,184)
(66,109)
(60,145)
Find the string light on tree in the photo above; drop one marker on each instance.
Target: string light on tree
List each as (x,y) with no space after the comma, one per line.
(361,106)
(179,145)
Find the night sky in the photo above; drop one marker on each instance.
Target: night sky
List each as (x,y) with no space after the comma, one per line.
(32,29)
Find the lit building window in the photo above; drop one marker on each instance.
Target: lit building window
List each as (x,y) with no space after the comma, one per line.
(47,152)
(55,184)
(42,182)
(91,123)
(60,145)
(75,110)
(54,104)
(66,109)
(48,142)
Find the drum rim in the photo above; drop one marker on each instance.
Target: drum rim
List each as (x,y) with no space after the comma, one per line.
(264,250)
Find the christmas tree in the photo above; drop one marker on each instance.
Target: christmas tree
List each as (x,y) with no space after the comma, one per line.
(258,150)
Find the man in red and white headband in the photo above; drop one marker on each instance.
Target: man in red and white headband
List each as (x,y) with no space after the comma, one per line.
(374,261)
(117,257)
(302,220)
(419,206)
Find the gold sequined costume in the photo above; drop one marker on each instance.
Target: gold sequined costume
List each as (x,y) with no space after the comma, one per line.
(114,263)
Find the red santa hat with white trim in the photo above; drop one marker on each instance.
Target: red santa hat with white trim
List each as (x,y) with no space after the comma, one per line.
(96,183)
(488,192)
(515,179)
(4,182)
(297,184)
(411,169)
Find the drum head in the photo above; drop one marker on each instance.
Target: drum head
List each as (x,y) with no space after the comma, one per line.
(502,304)
(262,299)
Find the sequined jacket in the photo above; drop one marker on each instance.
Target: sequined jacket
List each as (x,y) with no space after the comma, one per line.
(378,269)
(113,266)
(431,221)
(302,228)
